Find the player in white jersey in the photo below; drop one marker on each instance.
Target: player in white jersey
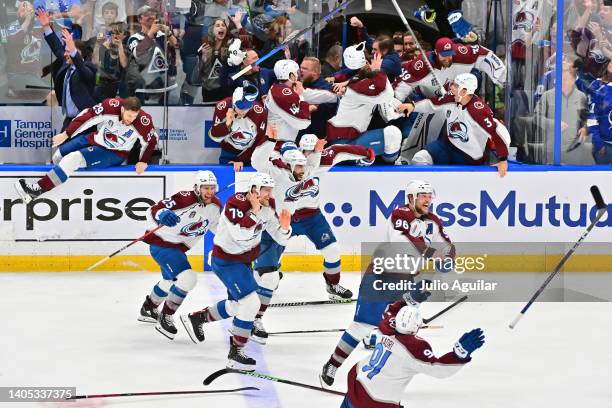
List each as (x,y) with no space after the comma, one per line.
(198,212)
(120,124)
(421,236)
(368,89)
(448,60)
(297,190)
(237,243)
(471,130)
(379,380)
(287,108)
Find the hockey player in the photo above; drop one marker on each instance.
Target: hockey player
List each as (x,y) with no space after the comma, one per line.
(287,108)
(236,244)
(335,154)
(239,125)
(379,380)
(120,123)
(448,60)
(471,129)
(600,120)
(415,225)
(199,210)
(297,190)
(363,93)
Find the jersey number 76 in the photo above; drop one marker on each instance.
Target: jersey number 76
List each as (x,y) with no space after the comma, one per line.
(377,361)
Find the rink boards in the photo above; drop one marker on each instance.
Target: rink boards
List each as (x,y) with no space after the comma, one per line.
(95,213)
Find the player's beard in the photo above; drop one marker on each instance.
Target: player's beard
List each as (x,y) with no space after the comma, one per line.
(421,210)
(298,176)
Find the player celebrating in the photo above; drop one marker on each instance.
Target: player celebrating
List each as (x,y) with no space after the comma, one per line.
(168,246)
(413,224)
(298,191)
(363,93)
(448,60)
(363,156)
(287,108)
(471,129)
(236,245)
(379,380)
(120,123)
(239,125)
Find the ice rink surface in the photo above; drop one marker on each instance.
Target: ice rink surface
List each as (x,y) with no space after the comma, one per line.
(69,329)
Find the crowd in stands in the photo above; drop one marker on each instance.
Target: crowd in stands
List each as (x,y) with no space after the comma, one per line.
(91,50)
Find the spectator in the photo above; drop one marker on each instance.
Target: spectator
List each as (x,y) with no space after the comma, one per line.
(574,146)
(281,28)
(599,119)
(74,77)
(112,61)
(110,14)
(212,53)
(64,12)
(275,8)
(580,13)
(333,61)
(262,78)
(101,10)
(213,10)
(146,72)
(24,56)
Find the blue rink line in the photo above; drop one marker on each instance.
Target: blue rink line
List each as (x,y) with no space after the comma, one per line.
(266,397)
(513,167)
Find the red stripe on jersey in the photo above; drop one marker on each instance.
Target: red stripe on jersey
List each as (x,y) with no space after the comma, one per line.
(359,397)
(245,257)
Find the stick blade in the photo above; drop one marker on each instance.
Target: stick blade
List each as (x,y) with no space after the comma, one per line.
(208,380)
(515,321)
(599,201)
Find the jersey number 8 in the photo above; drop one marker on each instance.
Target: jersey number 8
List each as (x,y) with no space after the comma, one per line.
(377,361)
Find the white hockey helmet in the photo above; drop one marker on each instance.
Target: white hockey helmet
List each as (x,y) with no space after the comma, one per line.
(408,320)
(294,158)
(284,68)
(308,142)
(467,81)
(354,56)
(259,180)
(205,178)
(416,187)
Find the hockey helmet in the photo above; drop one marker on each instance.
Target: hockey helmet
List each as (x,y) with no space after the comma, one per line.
(205,178)
(294,158)
(354,56)
(416,187)
(284,68)
(467,81)
(308,142)
(244,96)
(259,180)
(408,320)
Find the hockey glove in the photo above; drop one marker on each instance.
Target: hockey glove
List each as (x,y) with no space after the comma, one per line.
(366,161)
(469,342)
(235,54)
(418,294)
(424,13)
(168,218)
(460,25)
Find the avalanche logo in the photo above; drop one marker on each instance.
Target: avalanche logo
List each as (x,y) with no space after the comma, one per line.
(524,20)
(112,140)
(195,229)
(308,188)
(31,52)
(241,139)
(458,130)
(610,120)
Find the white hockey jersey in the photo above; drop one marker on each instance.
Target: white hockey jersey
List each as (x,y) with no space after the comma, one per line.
(238,236)
(288,110)
(379,380)
(357,106)
(112,134)
(196,219)
(416,75)
(302,198)
(471,128)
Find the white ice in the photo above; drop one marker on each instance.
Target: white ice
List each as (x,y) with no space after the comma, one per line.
(69,329)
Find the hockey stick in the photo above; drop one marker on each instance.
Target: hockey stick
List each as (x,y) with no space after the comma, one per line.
(601,210)
(142,394)
(336,330)
(424,55)
(316,302)
(446,309)
(294,37)
(101,261)
(255,374)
